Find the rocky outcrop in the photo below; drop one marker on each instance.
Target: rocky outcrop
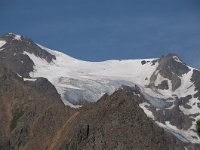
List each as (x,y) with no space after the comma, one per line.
(196,80)
(42,85)
(169,67)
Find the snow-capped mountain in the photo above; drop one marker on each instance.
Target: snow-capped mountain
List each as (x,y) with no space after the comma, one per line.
(169,89)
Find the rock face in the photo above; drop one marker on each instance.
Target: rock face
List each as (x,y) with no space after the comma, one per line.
(170,67)
(12,55)
(28,118)
(42,85)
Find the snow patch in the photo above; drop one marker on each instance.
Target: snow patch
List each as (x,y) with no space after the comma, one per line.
(177,59)
(19,75)
(146,110)
(2,43)
(29,79)
(17,37)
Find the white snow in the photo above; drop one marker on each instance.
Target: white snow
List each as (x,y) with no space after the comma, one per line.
(186,87)
(147,112)
(177,59)
(29,79)
(92,77)
(2,43)
(165,93)
(17,37)
(19,75)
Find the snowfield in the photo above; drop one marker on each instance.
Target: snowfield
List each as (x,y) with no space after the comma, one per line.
(92,79)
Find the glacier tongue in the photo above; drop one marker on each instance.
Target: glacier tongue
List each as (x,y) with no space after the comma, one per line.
(76,90)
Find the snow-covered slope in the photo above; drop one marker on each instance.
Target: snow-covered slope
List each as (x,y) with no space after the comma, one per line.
(78,80)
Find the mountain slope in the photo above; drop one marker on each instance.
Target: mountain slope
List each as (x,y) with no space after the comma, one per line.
(170,90)
(28,118)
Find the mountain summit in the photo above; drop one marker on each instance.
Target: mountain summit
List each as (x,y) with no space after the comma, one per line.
(169,90)
(12,53)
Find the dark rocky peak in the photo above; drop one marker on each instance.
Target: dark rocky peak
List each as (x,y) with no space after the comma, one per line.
(19,44)
(12,54)
(11,36)
(172,63)
(170,67)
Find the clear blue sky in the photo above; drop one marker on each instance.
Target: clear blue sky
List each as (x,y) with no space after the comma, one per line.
(97,30)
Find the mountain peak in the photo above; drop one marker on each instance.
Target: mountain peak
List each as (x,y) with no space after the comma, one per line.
(171,57)
(13,49)
(173,63)
(171,68)
(11,36)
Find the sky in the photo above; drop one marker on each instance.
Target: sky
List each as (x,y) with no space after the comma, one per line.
(97,30)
